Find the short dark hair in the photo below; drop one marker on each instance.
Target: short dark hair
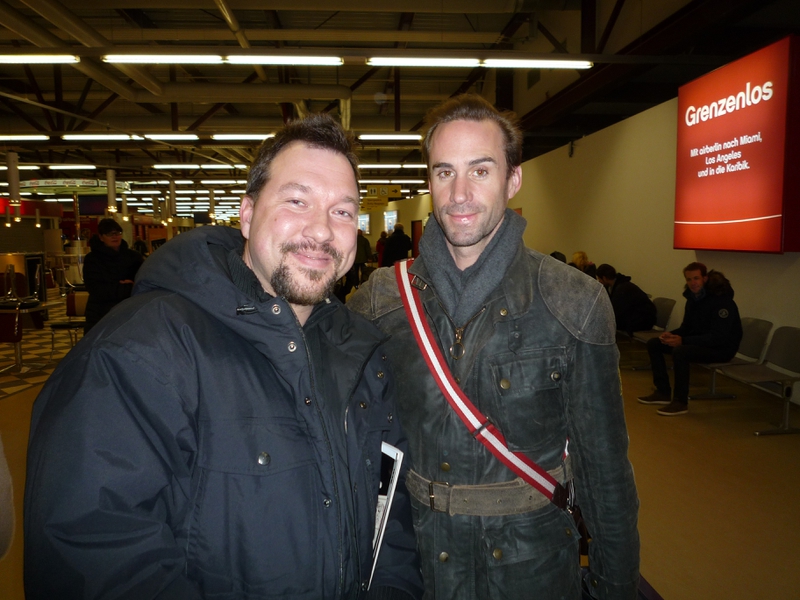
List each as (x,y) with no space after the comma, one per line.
(318,130)
(106,226)
(471,107)
(606,271)
(696,266)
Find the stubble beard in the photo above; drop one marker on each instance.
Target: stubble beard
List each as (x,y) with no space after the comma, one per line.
(287,282)
(459,238)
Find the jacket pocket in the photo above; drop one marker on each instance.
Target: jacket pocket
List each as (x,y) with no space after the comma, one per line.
(250,472)
(528,397)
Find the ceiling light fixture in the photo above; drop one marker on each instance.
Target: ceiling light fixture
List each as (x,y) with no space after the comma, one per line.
(380,166)
(176,166)
(274,59)
(515,63)
(410,61)
(149,59)
(216,166)
(24,138)
(174,137)
(390,137)
(95,137)
(72,167)
(39,59)
(21,167)
(415,166)
(244,137)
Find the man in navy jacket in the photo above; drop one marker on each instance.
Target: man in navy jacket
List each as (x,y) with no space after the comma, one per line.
(710,332)
(218,435)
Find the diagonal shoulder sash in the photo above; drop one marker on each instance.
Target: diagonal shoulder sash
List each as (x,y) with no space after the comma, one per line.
(477,424)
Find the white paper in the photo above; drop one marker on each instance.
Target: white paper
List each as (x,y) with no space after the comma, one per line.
(390,472)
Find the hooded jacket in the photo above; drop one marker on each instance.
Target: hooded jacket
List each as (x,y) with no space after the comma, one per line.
(103,269)
(712,320)
(200,443)
(633,310)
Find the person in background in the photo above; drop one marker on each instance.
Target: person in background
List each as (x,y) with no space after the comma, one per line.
(6,505)
(398,245)
(140,246)
(356,274)
(710,332)
(379,246)
(221,438)
(108,271)
(581,261)
(633,309)
(531,343)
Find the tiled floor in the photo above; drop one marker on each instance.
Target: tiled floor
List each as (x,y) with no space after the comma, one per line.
(36,347)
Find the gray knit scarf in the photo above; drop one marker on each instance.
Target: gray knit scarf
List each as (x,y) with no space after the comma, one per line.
(479,280)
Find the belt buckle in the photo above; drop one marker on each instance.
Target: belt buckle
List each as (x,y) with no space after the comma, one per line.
(432,496)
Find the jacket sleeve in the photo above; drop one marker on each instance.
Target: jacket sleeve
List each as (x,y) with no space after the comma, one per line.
(598,445)
(108,477)
(397,574)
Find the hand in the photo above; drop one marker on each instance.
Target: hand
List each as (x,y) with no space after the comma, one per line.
(670,339)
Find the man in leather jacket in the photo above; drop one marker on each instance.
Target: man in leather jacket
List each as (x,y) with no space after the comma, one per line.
(530,341)
(221,436)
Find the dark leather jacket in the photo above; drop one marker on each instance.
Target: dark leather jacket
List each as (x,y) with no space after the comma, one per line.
(549,331)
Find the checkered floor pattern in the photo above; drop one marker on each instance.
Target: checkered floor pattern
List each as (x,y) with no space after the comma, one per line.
(36,346)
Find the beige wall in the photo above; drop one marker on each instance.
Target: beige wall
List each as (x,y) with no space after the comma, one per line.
(614,198)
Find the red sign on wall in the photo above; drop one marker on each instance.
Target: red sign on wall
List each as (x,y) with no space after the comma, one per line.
(736,141)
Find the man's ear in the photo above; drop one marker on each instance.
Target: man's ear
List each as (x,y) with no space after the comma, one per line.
(245,215)
(514,182)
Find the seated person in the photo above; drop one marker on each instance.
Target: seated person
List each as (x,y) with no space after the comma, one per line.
(710,332)
(633,310)
(580,260)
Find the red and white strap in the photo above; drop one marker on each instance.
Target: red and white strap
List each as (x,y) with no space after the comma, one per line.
(477,424)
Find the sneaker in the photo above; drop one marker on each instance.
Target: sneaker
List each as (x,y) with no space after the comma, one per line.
(674,409)
(656,397)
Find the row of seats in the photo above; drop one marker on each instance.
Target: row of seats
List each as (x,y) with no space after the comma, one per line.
(772,365)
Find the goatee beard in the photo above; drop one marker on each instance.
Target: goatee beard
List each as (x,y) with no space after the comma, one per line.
(285,283)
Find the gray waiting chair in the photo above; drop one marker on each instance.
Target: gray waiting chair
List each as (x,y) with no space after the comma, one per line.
(664,307)
(755,333)
(776,375)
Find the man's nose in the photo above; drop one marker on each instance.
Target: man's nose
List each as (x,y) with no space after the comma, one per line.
(318,227)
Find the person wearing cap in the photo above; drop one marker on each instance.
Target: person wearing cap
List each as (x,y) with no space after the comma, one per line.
(108,271)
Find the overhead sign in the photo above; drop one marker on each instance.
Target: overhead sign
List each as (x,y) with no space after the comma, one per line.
(735,186)
(383,191)
(373,203)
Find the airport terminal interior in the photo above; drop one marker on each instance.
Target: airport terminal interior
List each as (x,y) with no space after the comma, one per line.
(150,113)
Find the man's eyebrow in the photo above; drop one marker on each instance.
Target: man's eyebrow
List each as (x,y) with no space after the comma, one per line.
(472,163)
(293,186)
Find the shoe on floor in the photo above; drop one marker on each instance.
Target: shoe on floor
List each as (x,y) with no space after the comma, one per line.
(655,398)
(674,408)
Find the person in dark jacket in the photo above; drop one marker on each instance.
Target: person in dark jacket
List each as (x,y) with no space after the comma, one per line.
(397,246)
(108,271)
(710,332)
(222,436)
(633,310)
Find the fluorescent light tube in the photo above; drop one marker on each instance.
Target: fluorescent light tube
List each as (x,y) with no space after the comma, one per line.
(175,59)
(52,59)
(513,63)
(410,61)
(272,59)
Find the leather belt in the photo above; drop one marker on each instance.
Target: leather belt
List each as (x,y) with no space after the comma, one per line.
(492,499)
